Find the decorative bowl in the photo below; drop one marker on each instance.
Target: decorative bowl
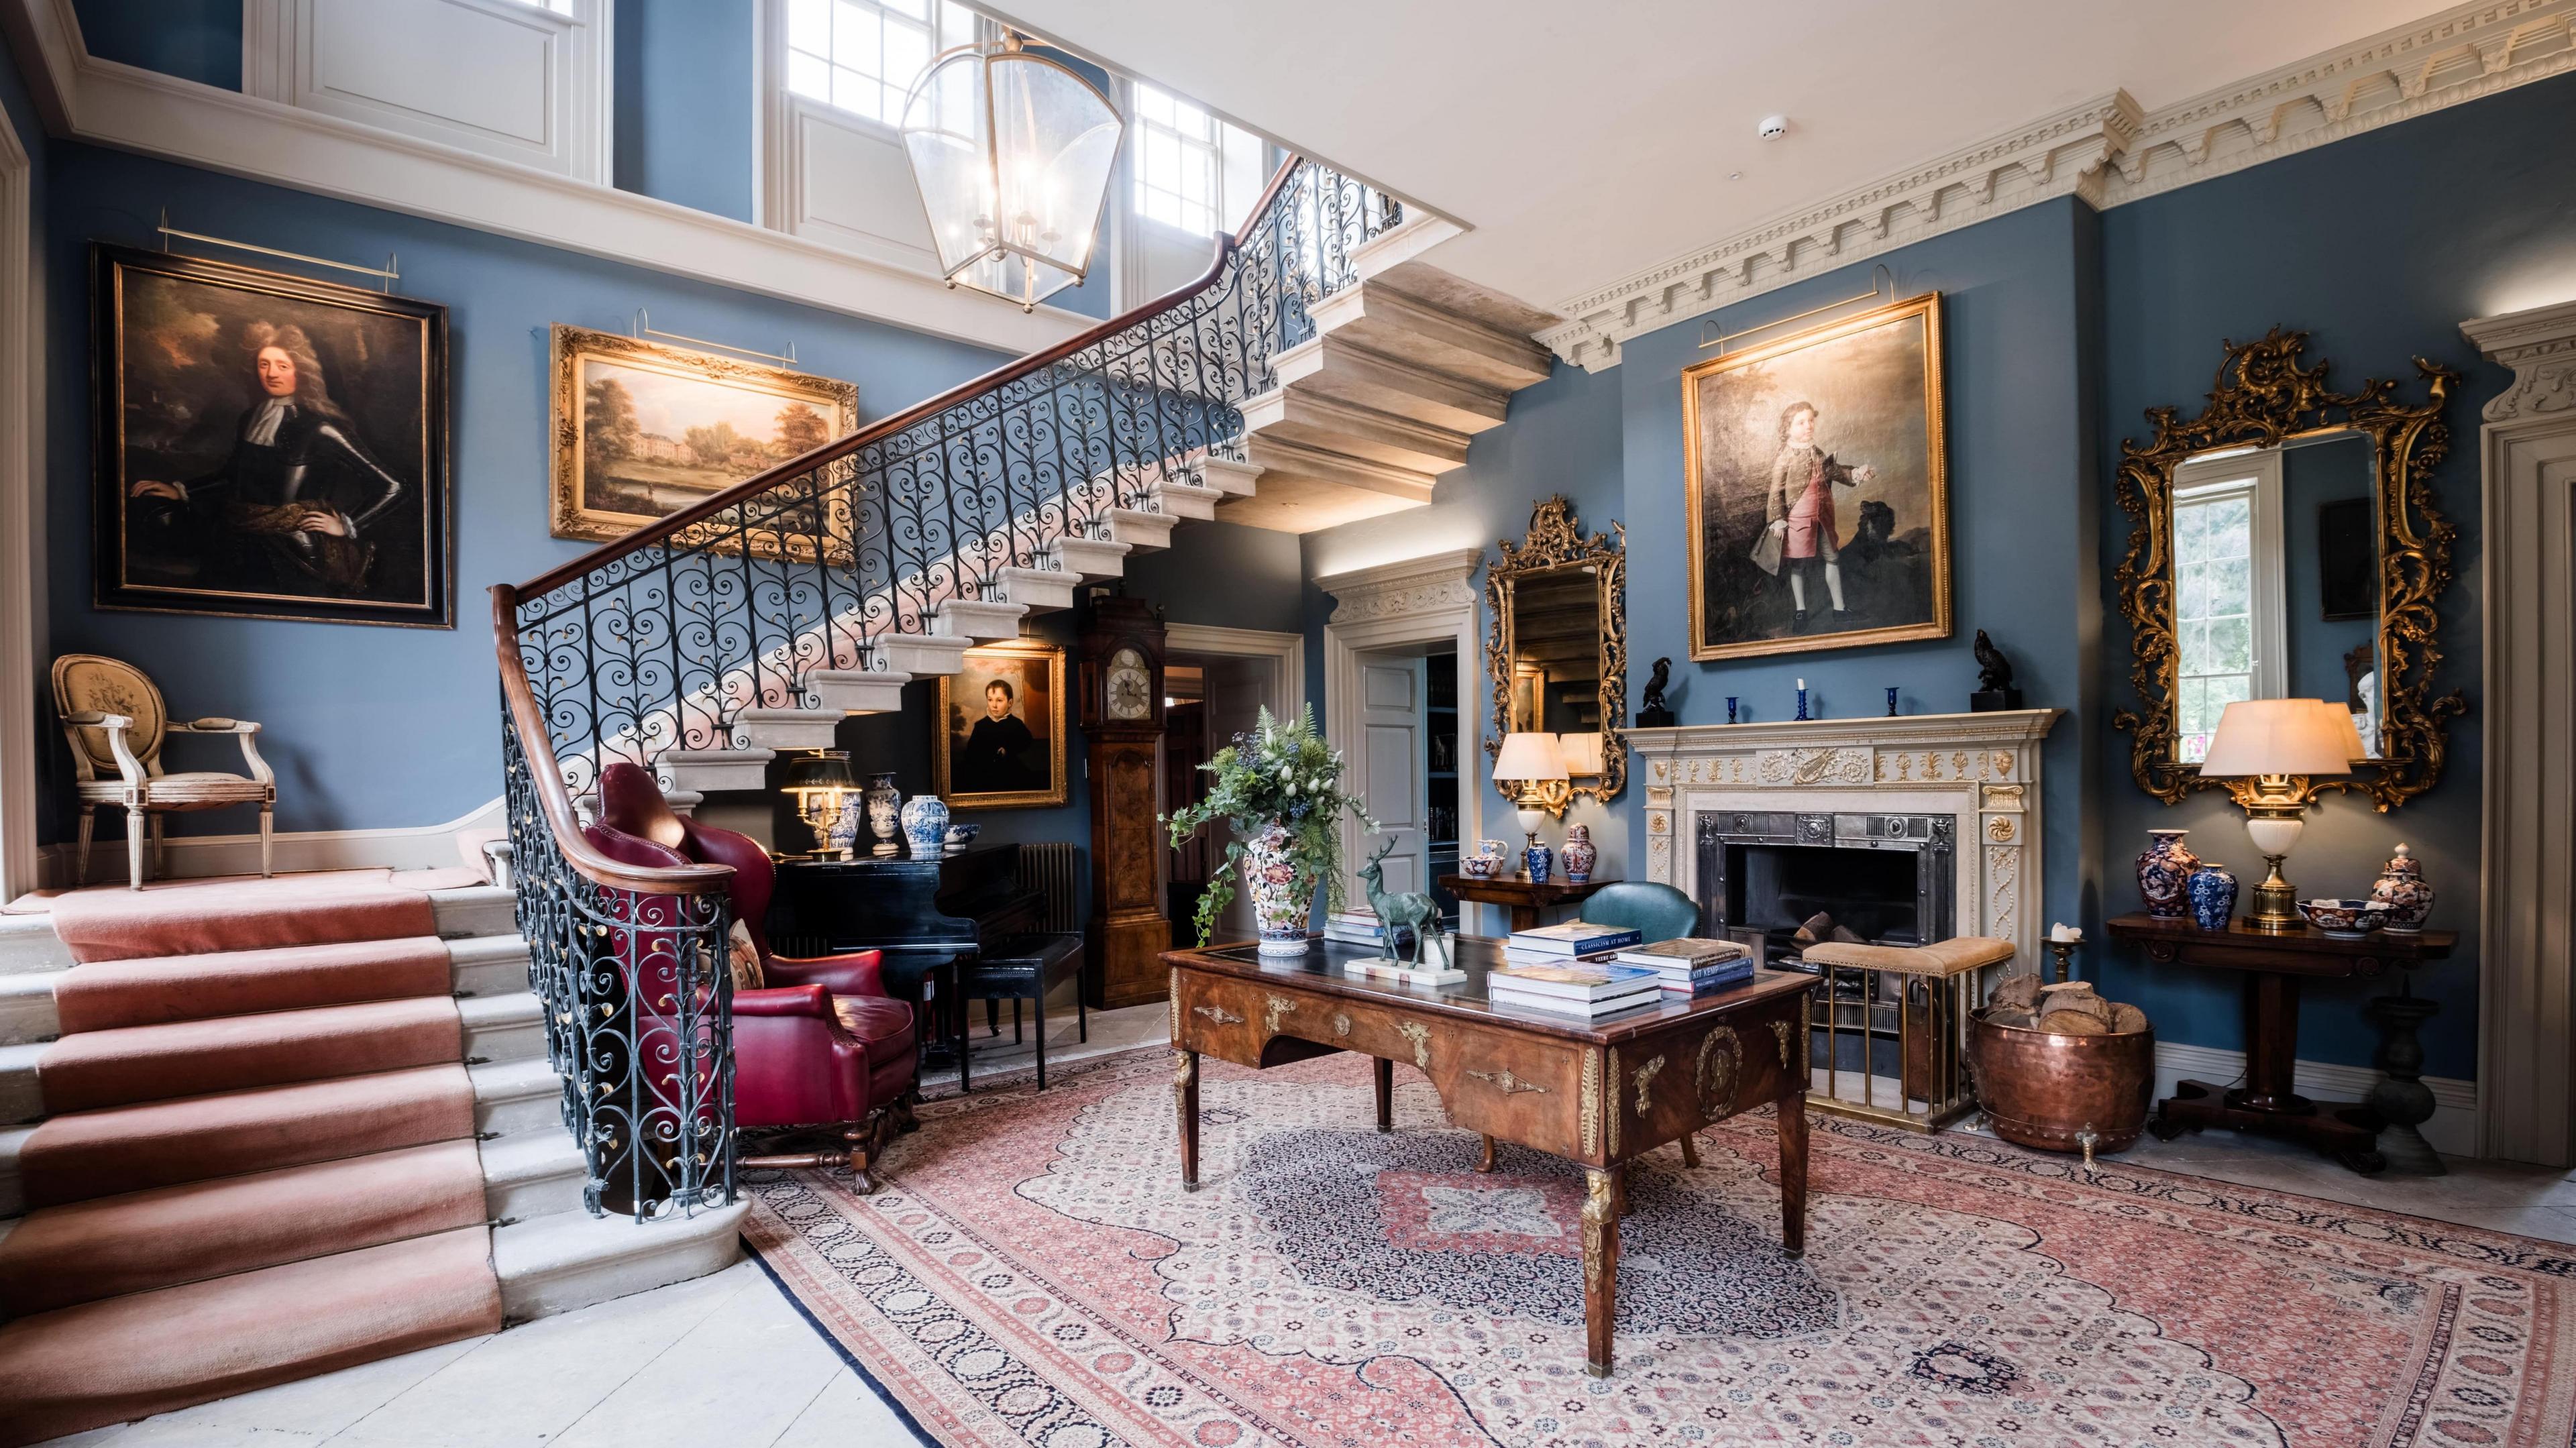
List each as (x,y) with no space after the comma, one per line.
(2344,919)
(961,835)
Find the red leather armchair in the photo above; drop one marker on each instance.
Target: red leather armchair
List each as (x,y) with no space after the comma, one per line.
(821,1045)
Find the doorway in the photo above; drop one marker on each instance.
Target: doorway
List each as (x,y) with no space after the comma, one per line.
(1216,682)
(1406,767)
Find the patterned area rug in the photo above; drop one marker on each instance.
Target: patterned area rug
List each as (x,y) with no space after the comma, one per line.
(1033,1274)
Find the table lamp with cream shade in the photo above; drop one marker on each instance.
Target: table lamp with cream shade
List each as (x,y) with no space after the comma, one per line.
(2268,742)
(1530,760)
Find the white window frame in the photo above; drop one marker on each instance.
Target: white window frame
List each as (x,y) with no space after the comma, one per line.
(880,218)
(1132,233)
(783,55)
(278,65)
(2253,474)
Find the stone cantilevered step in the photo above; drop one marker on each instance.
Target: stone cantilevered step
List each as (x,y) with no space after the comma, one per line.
(1089,557)
(1139,529)
(1185,500)
(707,771)
(856,691)
(971,618)
(1039,590)
(776,729)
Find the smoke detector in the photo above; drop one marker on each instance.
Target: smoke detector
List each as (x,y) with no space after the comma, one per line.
(1772,128)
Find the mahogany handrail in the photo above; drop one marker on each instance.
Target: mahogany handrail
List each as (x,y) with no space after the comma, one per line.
(527,717)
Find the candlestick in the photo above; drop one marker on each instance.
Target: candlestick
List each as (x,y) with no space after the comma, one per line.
(1802,698)
(1730,708)
(1891,701)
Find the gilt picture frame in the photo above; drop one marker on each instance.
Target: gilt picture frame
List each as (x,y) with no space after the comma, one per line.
(1816,488)
(643,429)
(1001,733)
(266,445)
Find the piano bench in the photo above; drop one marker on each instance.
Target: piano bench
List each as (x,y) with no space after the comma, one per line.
(1024,968)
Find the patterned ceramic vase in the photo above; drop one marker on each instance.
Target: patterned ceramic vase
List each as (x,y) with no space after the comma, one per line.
(844,833)
(2213,896)
(1580,854)
(925,826)
(2164,870)
(2402,889)
(1540,861)
(885,813)
(1280,898)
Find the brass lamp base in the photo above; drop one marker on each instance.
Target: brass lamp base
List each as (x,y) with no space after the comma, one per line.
(2276,902)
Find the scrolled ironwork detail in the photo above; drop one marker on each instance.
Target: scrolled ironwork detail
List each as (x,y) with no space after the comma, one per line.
(2261,397)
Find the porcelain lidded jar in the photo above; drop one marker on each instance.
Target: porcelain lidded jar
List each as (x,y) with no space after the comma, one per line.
(1280,899)
(2164,874)
(2213,896)
(1540,862)
(925,826)
(2402,889)
(1579,854)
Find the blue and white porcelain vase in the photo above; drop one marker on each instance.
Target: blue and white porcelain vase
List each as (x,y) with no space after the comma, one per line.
(844,832)
(885,806)
(1540,861)
(2213,896)
(925,826)
(2164,873)
(2402,889)
(1579,854)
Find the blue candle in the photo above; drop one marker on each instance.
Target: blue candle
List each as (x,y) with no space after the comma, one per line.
(1730,708)
(1802,698)
(1891,701)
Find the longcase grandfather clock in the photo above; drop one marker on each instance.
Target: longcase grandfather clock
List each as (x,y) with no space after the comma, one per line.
(1122,718)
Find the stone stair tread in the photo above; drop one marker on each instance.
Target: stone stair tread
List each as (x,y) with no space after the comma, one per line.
(572,1259)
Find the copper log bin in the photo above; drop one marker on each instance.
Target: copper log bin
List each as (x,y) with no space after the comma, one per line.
(2053,1092)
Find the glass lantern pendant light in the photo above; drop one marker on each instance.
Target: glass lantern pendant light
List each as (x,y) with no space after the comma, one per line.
(1012,151)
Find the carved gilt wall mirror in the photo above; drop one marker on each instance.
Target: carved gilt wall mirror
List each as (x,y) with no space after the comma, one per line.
(1556,651)
(2283,544)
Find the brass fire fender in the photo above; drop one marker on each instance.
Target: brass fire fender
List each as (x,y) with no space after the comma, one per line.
(1555,541)
(2261,397)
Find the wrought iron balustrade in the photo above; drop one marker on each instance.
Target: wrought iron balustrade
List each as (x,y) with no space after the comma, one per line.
(662,640)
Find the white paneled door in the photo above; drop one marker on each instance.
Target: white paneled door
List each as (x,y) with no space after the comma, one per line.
(1391,766)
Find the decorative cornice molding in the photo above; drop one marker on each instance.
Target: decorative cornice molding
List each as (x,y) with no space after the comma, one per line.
(1412,585)
(2540,346)
(124,107)
(2107,151)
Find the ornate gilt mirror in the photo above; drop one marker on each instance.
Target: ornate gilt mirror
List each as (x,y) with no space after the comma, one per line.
(2283,544)
(1556,651)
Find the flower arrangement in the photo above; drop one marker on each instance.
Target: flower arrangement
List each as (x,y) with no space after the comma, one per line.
(1280,787)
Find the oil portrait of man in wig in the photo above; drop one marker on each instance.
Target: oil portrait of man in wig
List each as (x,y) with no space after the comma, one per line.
(1817,493)
(268,445)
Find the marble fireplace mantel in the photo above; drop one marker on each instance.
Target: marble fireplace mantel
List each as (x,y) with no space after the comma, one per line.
(1982,769)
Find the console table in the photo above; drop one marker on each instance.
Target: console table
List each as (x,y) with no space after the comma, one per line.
(2273,966)
(1525,897)
(1598,1093)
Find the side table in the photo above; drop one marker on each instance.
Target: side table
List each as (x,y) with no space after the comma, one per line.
(2273,966)
(1525,897)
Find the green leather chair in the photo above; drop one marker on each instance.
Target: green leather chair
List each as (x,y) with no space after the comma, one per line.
(1659,912)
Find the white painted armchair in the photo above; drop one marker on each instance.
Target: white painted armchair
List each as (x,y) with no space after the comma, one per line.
(115,721)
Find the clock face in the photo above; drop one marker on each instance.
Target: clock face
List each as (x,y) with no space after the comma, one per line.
(1130,686)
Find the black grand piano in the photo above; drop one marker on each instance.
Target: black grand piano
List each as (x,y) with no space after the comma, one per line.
(933,918)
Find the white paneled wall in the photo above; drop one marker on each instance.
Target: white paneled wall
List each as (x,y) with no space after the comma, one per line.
(523,82)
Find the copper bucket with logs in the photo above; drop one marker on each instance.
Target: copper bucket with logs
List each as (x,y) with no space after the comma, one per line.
(2063,1090)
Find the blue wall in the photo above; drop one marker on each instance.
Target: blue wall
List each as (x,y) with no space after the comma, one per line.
(199,40)
(684,114)
(383,726)
(2379,246)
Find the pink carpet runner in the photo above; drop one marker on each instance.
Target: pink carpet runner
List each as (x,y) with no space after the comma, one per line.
(258,1160)
(1033,1274)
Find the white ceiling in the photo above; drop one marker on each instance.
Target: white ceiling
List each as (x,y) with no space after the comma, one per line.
(1585,140)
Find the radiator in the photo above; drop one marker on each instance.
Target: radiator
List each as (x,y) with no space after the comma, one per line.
(1049,869)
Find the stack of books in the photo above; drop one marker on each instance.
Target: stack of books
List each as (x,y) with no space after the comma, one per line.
(1565,942)
(1587,988)
(1361,927)
(1691,965)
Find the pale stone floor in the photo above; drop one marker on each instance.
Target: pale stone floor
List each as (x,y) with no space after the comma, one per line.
(729,1359)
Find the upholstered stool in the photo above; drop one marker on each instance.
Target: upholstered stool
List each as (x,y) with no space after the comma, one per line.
(1026,968)
(1910,1009)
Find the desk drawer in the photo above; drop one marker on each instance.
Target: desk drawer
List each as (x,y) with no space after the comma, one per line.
(1704,1071)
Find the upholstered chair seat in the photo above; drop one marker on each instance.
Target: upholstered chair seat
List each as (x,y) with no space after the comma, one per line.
(819,1044)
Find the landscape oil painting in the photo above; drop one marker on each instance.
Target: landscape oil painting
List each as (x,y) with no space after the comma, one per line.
(268,445)
(643,429)
(1816,488)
